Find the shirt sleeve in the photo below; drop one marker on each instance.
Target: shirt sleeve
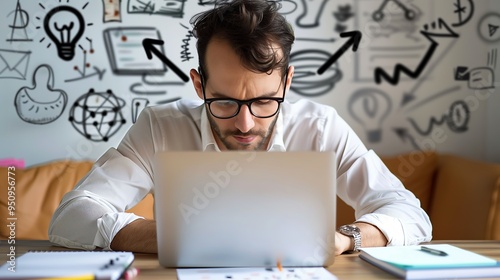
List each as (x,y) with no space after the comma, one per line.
(377,196)
(91,215)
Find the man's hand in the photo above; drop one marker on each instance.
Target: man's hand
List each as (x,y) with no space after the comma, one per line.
(371,236)
(139,236)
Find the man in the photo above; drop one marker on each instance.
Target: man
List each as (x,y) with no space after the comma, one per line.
(244,48)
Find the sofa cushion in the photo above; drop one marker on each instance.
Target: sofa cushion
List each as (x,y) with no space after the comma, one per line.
(38,192)
(465,200)
(416,171)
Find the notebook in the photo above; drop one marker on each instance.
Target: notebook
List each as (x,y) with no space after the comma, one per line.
(103,265)
(411,262)
(245,209)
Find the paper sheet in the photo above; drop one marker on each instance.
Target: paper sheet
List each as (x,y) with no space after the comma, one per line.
(255,273)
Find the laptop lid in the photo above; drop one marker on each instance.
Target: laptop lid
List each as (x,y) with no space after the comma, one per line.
(237,209)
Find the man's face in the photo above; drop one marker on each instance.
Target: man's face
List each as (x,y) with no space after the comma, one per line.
(228,78)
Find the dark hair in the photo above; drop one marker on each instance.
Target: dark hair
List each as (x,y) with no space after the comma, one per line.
(250,27)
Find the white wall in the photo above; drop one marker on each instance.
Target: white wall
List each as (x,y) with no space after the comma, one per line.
(348,85)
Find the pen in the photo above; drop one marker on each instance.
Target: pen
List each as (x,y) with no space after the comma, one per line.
(280,267)
(77,277)
(433,251)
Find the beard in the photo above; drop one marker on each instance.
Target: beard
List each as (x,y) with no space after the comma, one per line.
(225,136)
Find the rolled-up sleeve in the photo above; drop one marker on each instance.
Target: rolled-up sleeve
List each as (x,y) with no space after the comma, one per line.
(379,198)
(92,213)
(366,184)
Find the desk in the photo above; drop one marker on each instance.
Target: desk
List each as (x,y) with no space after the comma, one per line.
(345,266)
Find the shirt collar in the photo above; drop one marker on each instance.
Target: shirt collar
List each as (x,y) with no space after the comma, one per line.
(276,143)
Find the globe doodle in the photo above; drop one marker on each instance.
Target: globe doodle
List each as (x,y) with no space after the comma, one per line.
(97,115)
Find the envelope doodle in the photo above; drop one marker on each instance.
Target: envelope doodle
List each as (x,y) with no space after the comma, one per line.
(14,64)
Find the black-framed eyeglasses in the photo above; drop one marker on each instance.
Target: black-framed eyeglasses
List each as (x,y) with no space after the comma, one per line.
(226,108)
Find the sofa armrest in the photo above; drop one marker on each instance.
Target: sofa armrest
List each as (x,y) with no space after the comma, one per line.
(465,200)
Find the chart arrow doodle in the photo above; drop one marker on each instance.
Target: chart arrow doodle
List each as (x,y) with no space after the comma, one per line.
(149,47)
(400,68)
(354,40)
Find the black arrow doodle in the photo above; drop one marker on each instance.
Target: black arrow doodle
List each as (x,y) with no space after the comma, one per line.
(149,47)
(355,38)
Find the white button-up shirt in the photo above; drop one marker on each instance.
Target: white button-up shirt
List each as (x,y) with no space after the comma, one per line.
(92,214)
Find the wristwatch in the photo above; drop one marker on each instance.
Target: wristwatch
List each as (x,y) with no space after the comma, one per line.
(354,232)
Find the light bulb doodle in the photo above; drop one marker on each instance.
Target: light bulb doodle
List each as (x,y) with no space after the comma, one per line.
(64,26)
(370,107)
(100,119)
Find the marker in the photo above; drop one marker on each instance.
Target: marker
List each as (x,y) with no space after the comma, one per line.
(280,267)
(433,251)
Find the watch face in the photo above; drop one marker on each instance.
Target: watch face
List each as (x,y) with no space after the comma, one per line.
(349,229)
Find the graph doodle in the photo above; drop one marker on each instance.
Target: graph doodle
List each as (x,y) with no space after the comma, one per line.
(409,96)
(83,70)
(100,119)
(19,24)
(171,8)
(463,10)
(370,107)
(378,15)
(29,102)
(306,81)
(138,104)
(400,68)
(457,119)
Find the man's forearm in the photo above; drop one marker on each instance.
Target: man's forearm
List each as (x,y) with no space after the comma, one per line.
(139,236)
(371,236)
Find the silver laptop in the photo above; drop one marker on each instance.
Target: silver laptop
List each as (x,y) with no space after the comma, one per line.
(241,209)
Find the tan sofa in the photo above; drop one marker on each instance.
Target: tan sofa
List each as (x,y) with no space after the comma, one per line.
(460,195)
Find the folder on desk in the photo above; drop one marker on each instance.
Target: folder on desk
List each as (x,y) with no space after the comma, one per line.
(411,262)
(67,265)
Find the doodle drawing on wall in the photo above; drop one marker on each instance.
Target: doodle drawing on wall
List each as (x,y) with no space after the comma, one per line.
(172,8)
(434,30)
(19,25)
(14,64)
(97,115)
(65,26)
(111,11)
(37,111)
